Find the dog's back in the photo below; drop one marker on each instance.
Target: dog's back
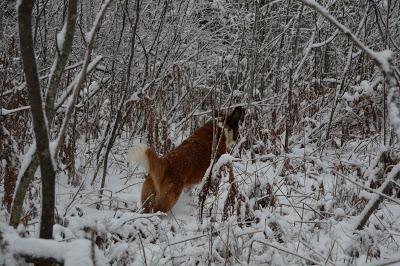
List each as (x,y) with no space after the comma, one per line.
(183,166)
(190,160)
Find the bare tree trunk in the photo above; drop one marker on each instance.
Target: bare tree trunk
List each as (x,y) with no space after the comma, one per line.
(26,175)
(21,188)
(39,121)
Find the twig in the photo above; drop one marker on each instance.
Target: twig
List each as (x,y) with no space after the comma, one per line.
(288,251)
(141,244)
(367,188)
(318,254)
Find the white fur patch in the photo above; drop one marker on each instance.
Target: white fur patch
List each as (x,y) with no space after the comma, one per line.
(228,134)
(138,154)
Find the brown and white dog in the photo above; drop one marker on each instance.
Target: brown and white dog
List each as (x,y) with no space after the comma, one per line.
(186,164)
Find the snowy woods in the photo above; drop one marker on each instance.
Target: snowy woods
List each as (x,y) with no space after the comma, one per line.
(313,179)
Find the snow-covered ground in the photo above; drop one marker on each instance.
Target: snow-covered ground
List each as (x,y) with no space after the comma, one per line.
(295,209)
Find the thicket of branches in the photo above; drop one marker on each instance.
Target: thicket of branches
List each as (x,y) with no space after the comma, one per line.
(156,70)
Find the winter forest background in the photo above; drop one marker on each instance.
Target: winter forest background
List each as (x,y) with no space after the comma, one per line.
(312,180)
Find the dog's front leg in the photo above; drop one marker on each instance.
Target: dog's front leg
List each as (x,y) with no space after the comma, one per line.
(148,195)
(169,195)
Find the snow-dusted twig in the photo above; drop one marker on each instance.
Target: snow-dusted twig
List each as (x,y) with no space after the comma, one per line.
(312,45)
(74,196)
(283,249)
(320,44)
(23,85)
(378,192)
(318,254)
(4,112)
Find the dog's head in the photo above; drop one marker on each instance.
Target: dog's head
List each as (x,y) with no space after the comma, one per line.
(230,123)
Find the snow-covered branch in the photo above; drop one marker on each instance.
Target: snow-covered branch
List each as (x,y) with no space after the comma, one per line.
(91,36)
(64,43)
(5,112)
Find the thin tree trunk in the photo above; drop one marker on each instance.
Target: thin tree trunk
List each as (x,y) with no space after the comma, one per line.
(39,121)
(26,175)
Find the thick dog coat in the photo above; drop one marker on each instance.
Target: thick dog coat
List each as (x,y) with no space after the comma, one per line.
(185,165)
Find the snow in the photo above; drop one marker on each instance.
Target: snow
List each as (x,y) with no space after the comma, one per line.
(25,162)
(391,261)
(18,3)
(224,159)
(135,97)
(76,252)
(179,237)
(68,90)
(384,57)
(339,212)
(88,92)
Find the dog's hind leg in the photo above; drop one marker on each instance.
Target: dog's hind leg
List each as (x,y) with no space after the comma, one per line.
(148,195)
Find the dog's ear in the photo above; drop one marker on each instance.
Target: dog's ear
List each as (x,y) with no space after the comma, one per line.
(232,121)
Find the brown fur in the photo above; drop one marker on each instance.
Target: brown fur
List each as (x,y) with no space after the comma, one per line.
(185,165)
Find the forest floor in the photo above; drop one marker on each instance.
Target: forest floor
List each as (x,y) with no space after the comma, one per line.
(292,209)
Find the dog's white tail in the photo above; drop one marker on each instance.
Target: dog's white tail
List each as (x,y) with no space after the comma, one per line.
(148,158)
(139,154)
